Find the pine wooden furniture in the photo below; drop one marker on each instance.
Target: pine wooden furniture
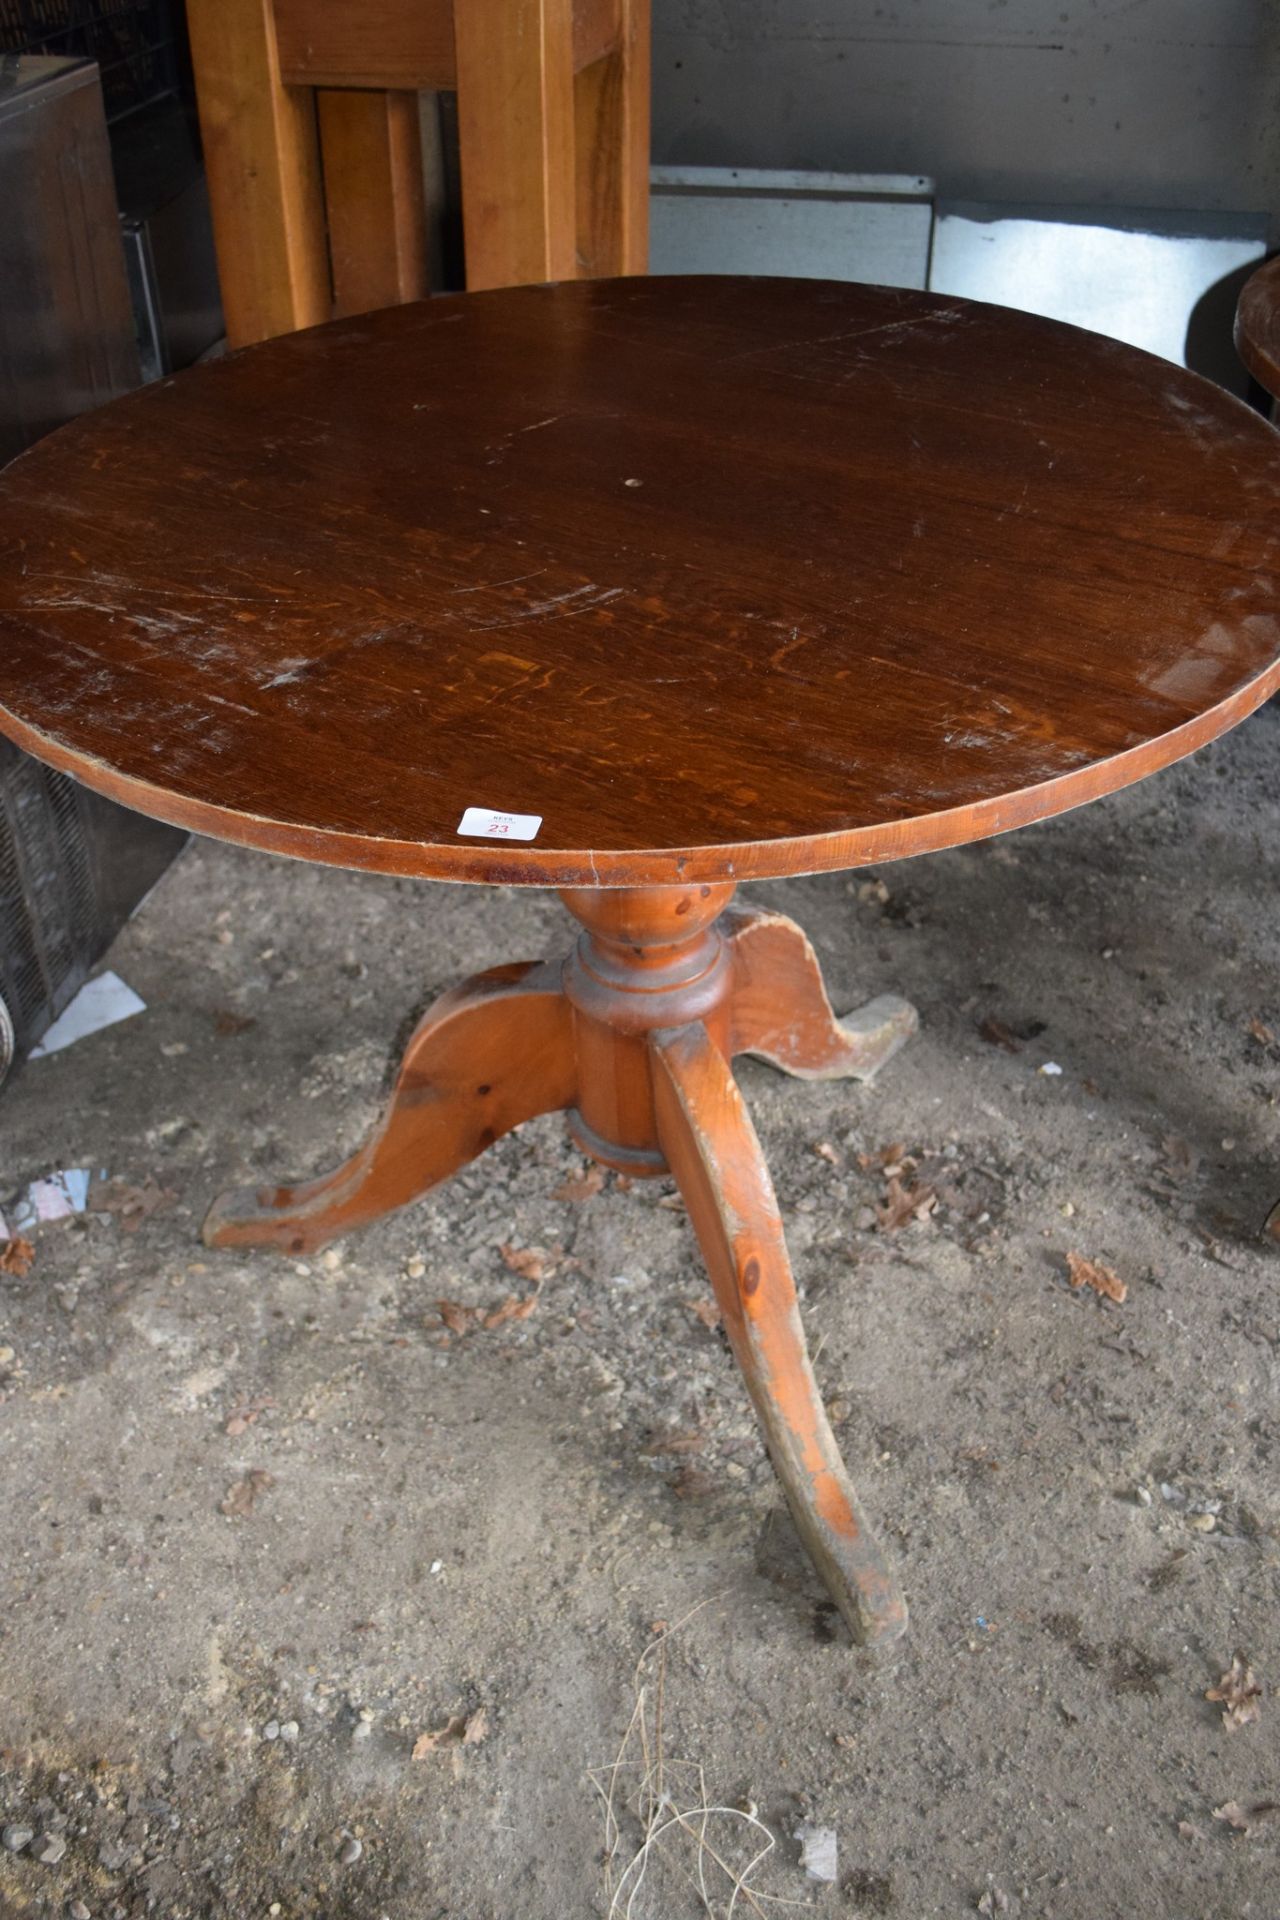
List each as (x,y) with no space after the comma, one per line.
(716,579)
(309,115)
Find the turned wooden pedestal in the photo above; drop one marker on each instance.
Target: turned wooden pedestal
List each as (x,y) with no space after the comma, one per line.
(639,589)
(633,1036)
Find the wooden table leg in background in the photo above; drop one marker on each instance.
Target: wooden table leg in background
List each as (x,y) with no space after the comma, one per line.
(633,1036)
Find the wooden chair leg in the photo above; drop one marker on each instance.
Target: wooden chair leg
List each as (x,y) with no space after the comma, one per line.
(781,1012)
(492,1052)
(515,133)
(262,159)
(375,198)
(711,1147)
(611,145)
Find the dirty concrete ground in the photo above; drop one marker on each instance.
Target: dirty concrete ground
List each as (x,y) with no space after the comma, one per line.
(214,1713)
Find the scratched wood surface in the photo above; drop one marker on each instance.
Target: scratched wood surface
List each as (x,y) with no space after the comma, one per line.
(720,578)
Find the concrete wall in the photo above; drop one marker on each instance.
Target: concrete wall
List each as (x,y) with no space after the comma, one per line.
(1157,103)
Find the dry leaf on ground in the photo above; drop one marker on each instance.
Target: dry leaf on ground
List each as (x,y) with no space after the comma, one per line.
(1178,1156)
(456,1317)
(1261,1032)
(241,1418)
(449,1735)
(1092,1273)
(531,1263)
(693,1483)
(886,1157)
(1177,1166)
(996,1034)
(825,1151)
(1239,1694)
(240,1499)
(903,1202)
(1243,1818)
(707,1311)
(512,1308)
(460,1319)
(131,1205)
(226,1023)
(460,1730)
(581,1186)
(16,1255)
(688,1442)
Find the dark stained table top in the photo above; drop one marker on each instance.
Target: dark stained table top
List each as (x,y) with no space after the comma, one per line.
(1257,329)
(718,578)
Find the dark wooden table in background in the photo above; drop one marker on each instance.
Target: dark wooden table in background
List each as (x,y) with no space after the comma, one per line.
(1257,328)
(690,582)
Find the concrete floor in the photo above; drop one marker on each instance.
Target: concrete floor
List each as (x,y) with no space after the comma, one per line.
(267,1523)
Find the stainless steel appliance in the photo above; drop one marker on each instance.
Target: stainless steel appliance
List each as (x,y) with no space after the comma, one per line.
(72,866)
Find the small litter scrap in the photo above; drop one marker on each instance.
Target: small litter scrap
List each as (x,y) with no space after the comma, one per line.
(100,1003)
(818,1852)
(56,1197)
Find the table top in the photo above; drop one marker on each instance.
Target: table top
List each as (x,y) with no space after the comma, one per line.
(712,578)
(1257,329)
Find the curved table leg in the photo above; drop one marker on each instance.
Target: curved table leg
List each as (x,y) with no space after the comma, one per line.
(781,1012)
(490,1053)
(712,1149)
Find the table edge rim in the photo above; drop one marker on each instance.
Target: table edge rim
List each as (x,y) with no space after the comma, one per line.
(477,862)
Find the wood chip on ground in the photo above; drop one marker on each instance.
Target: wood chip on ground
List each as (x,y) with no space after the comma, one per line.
(1092,1273)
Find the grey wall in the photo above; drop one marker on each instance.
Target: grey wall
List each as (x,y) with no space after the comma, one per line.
(1157,103)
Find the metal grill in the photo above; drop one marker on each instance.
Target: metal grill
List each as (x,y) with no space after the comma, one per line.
(49,921)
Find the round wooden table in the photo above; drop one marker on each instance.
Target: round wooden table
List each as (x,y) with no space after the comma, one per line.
(637,589)
(1257,328)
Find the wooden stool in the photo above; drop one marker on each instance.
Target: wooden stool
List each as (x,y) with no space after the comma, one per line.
(639,589)
(309,114)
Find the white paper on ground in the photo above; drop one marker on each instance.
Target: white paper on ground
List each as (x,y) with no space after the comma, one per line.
(818,1852)
(99,1003)
(55,1197)
(4,1229)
